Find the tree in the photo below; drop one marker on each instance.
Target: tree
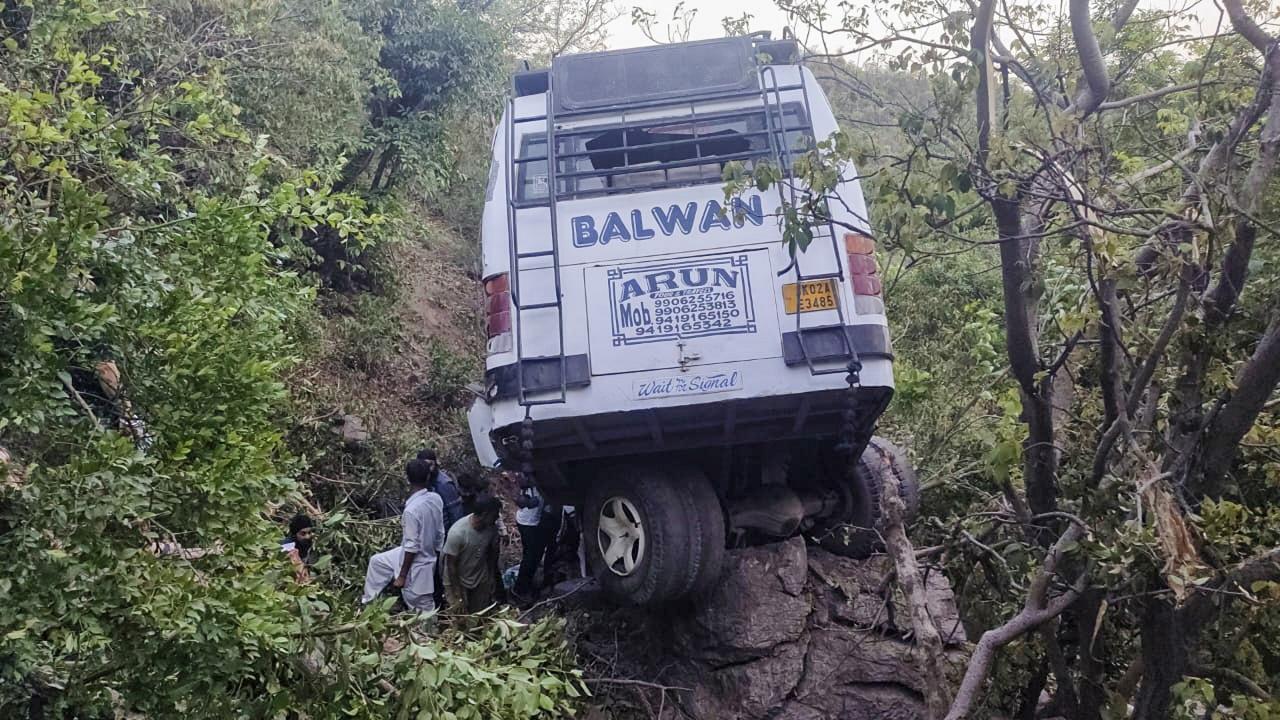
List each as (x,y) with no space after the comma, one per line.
(1118,172)
(548,29)
(150,313)
(676,30)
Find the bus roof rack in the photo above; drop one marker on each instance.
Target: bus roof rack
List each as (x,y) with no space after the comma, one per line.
(779,52)
(615,79)
(530,82)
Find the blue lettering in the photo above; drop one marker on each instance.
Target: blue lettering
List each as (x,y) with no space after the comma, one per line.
(614,228)
(665,280)
(634,316)
(714,215)
(584,231)
(692,280)
(674,217)
(638,230)
(724,278)
(742,212)
(630,289)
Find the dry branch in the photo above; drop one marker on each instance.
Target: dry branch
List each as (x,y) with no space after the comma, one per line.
(928,640)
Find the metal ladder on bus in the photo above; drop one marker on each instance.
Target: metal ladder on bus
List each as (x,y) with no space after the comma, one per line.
(519,257)
(780,149)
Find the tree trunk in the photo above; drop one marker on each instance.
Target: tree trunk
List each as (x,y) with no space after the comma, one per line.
(388,154)
(354,168)
(1091,691)
(1164,661)
(928,641)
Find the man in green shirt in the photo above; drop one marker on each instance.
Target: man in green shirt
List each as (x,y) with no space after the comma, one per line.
(470,554)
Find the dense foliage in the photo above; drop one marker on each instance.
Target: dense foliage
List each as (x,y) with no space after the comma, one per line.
(178,182)
(1077,236)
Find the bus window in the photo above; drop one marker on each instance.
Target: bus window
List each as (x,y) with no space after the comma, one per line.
(676,152)
(532,175)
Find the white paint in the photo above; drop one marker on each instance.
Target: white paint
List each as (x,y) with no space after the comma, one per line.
(588,296)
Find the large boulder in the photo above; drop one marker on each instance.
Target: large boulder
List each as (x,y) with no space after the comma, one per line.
(790,633)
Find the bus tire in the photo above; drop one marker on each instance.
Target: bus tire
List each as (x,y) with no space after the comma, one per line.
(706,515)
(639,540)
(856,534)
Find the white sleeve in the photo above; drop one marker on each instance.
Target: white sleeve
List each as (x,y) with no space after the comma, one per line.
(412,528)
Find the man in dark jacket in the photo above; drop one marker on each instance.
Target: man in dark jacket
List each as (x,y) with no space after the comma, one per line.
(445,487)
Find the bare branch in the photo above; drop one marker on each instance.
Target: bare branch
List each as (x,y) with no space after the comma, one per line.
(1235,265)
(1155,170)
(1039,609)
(1091,62)
(1247,28)
(1147,370)
(1153,95)
(928,639)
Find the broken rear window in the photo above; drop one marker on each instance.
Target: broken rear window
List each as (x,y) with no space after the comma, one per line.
(649,155)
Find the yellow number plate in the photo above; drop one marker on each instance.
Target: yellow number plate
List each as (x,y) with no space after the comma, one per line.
(817,295)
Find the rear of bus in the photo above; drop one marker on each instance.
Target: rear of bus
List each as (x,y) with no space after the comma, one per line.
(631,308)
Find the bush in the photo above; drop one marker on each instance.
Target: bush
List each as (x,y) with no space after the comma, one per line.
(146,234)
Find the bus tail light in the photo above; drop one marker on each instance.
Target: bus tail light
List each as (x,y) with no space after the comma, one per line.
(497,313)
(864,274)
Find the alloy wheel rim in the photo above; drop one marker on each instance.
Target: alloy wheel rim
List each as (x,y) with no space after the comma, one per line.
(621,536)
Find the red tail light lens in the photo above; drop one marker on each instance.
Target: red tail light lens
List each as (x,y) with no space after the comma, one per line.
(497,313)
(863,270)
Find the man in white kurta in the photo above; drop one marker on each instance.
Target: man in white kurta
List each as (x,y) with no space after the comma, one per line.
(412,564)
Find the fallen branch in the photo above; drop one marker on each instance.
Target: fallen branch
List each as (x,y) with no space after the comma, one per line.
(529,610)
(641,683)
(928,645)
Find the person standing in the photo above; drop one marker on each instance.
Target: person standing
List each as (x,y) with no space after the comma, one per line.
(550,524)
(412,565)
(444,486)
(533,538)
(470,558)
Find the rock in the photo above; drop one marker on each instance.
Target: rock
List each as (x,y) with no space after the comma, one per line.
(796,633)
(756,608)
(351,429)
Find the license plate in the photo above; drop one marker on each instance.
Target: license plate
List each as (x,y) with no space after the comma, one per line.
(816,295)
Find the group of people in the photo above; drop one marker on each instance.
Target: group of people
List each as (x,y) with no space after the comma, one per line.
(449,552)
(439,542)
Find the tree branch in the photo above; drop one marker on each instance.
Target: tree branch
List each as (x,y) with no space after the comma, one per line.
(1153,95)
(1091,62)
(979,43)
(1254,385)
(1247,28)
(928,639)
(1147,370)
(1121,18)
(1207,597)
(1037,610)
(1235,264)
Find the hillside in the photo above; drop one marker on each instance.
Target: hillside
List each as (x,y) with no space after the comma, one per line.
(239,275)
